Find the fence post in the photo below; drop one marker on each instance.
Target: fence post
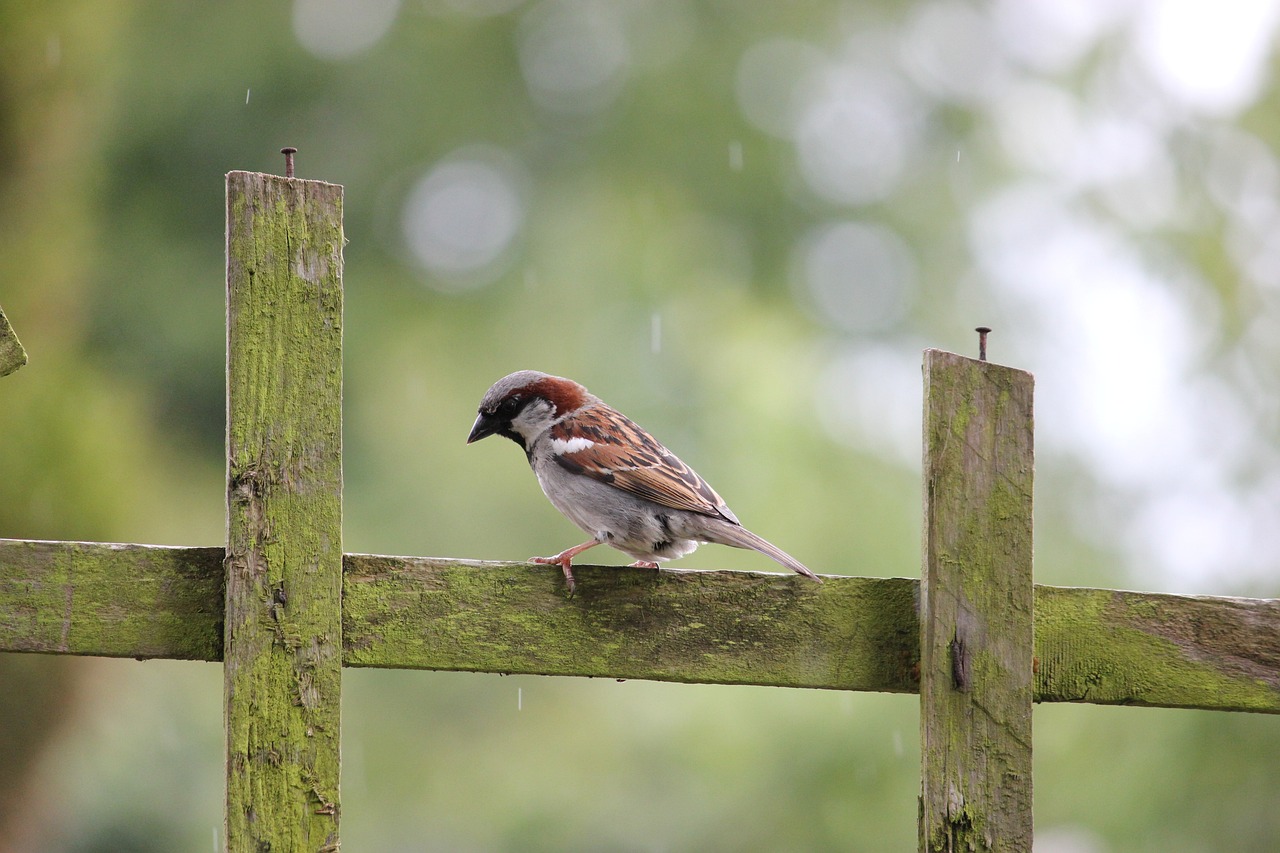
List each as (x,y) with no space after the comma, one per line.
(282,652)
(976,665)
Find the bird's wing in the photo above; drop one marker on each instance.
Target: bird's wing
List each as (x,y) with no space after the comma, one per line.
(604,444)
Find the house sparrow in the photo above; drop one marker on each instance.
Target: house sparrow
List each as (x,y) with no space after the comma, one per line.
(610,477)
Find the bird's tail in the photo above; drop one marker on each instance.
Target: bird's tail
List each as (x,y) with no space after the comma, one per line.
(741,537)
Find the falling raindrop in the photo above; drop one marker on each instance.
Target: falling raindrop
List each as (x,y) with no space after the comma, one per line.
(246,95)
(519,698)
(655,333)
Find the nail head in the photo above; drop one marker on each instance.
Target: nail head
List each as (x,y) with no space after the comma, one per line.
(982,331)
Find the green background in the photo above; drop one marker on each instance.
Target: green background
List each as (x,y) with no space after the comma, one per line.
(740,223)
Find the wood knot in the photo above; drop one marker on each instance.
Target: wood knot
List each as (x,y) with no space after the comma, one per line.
(961,665)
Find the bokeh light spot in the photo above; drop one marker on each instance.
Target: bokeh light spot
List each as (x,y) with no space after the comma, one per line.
(463,216)
(574,54)
(769,83)
(333,29)
(1209,55)
(853,137)
(952,51)
(470,8)
(858,276)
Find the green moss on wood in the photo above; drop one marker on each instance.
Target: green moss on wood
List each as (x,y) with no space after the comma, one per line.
(1096,646)
(1112,647)
(284,485)
(716,627)
(138,601)
(977,593)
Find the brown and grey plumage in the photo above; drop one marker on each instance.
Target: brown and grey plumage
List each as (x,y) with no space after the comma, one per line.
(610,477)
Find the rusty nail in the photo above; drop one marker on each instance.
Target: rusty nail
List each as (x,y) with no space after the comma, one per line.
(288,160)
(982,331)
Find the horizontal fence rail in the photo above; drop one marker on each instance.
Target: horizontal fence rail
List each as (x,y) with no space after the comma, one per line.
(1099,646)
(689,626)
(111,600)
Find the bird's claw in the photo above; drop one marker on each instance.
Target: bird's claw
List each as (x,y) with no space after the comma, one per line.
(564,561)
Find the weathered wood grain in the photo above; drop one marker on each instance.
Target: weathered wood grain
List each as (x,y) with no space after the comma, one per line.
(977,597)
(93,598)
(1097,646)
(282,657)
(1110,647)
(669,625)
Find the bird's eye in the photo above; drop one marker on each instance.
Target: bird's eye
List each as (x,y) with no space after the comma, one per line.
(509,406)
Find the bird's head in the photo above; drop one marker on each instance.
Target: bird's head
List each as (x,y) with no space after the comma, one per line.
(525,404)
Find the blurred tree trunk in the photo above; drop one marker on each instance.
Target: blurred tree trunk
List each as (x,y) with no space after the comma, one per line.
(52,97)
(39,695)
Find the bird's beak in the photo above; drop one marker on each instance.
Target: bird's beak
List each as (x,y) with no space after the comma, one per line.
(484,427)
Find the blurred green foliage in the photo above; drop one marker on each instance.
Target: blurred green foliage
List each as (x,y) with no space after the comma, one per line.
(667,250)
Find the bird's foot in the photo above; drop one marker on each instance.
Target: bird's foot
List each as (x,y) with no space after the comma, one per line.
(643,564)
(565,566)
(565,561)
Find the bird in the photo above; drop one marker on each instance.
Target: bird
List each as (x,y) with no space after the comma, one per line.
(610,477)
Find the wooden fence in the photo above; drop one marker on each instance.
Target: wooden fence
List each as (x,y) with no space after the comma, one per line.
(284,609)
